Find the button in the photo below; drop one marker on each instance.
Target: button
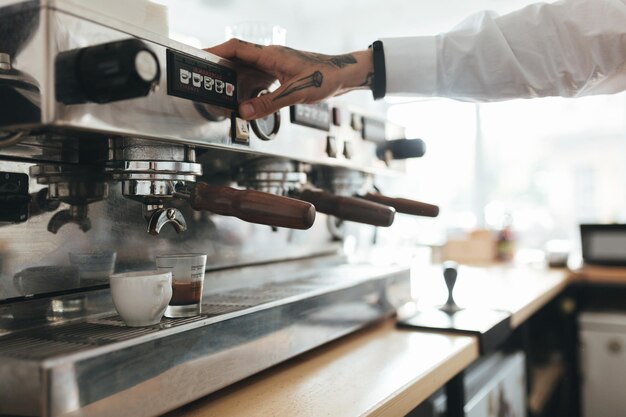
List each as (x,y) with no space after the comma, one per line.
(208,83)
(185,76)
(331,146)
(219,86)
(336,116)
(241,132)
(146,66)
(196,79)
(356,122)
(5,61)
(347,150)
(230,89)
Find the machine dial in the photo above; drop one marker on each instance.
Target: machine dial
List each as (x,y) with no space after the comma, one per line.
(107,72)
(266,127)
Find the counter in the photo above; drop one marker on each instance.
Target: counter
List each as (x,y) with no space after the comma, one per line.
(382,370)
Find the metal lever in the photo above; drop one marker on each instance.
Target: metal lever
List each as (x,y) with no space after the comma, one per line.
(450,272)
(349,208)
(159,217)
(251,206)
(404,205)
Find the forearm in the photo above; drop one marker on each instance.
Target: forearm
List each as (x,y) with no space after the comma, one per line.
(358,76)
(566,49)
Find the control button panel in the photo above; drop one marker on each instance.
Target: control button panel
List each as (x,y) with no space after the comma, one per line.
(317,116)
(200,80)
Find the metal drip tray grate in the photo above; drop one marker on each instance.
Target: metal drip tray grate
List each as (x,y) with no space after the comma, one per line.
(61,339)
(55,340)
(25,347)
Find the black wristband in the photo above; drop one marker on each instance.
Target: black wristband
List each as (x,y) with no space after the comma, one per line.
(379,86)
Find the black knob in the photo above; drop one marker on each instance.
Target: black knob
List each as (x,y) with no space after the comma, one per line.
(105,73)
(449,274)
(14,197)
(401,149)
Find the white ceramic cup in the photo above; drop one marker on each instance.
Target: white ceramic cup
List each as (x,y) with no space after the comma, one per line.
(141,297)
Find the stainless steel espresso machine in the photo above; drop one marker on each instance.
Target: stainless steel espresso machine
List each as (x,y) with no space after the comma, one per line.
(118,144)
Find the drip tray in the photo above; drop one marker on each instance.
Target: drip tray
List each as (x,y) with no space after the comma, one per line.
(96,366)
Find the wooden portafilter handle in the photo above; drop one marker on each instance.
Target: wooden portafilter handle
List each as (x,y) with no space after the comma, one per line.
(404,205)
(253,206)
(349,208)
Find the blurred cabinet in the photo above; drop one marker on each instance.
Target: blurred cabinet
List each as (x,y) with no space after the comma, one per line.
(603,363)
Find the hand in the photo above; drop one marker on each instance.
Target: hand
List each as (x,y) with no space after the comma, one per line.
(305,77)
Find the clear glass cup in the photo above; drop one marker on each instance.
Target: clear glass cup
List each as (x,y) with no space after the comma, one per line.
(94,265)
(187,282)
(262,33)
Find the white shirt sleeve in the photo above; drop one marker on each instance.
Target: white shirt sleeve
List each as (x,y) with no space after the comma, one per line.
(570,48)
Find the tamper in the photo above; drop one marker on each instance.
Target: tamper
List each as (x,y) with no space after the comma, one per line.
(450,272)
(491,327)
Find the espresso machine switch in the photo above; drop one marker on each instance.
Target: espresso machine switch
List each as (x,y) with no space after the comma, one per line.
(105,73)
(349,208)
(400,149)
(404,205)
(251,206)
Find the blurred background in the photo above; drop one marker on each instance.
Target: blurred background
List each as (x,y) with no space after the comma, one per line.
(537,168)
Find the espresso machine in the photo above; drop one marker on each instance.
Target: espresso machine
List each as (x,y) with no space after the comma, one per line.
(119,144)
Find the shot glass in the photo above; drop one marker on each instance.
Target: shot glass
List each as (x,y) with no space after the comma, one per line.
(187,282)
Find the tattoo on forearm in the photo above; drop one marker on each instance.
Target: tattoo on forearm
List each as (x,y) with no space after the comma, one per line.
(369,80)
(338,61)
(314,80)
(341,61)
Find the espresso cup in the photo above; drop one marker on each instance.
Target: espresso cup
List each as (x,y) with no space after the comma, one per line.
(141,297)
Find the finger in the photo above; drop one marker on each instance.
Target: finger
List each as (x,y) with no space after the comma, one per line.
(264,105)
(247,52)
(298,90)
(260,107)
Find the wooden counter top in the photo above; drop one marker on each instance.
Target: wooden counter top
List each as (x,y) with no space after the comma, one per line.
(382,370)
(604,275)
(378,371)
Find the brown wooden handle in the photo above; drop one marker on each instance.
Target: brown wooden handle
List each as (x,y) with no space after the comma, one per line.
(253,206)
(404,205)
(349,208)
